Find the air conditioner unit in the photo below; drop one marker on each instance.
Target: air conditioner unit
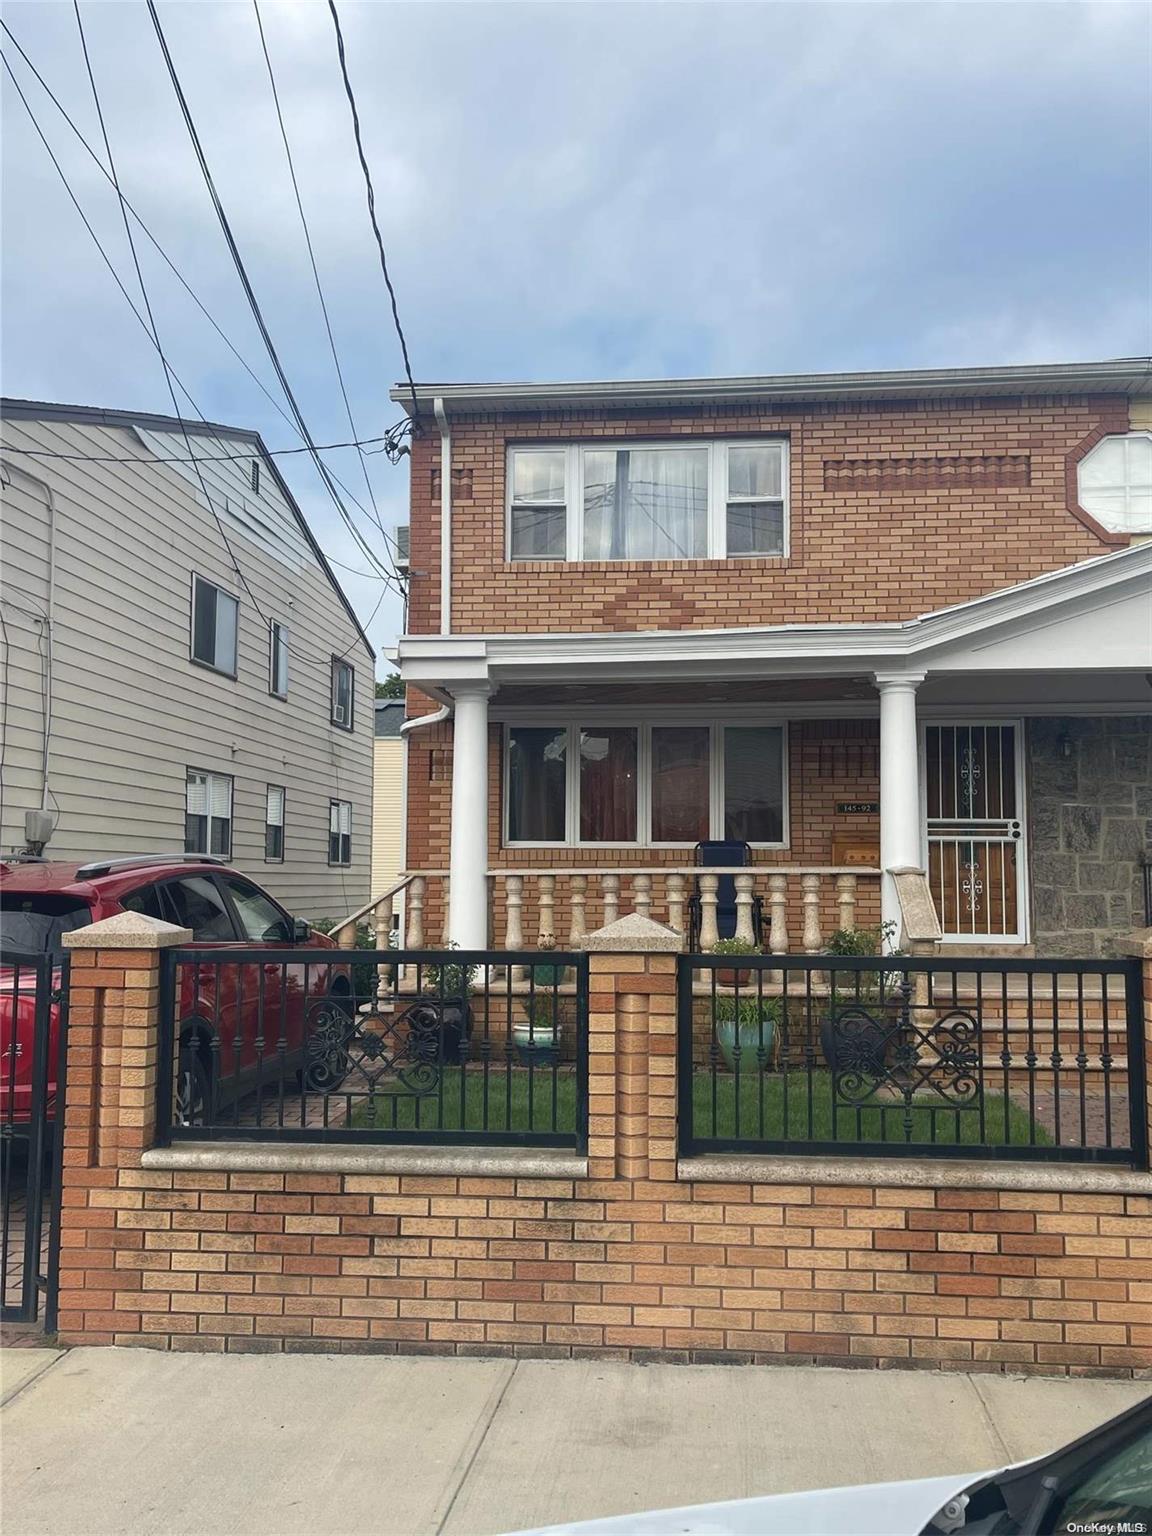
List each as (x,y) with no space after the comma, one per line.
(338,714)
(402,547)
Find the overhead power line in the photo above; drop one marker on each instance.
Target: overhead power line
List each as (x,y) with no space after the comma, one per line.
(315,268)
(152,328)
(253,302)
(370,190)
(133,307)
(390,442)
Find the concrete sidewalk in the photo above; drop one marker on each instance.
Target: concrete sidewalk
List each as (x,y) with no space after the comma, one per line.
(99,1441)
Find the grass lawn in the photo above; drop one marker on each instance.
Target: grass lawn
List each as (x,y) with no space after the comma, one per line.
(760,1115)
(460,1102)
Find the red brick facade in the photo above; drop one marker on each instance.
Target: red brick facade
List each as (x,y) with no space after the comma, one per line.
(867,551)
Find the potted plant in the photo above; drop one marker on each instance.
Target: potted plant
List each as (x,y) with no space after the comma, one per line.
(746,1029)
(857,1031)
(537,1035)
(737,976)
(440,1024)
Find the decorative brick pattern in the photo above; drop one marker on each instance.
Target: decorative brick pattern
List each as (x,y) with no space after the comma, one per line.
(971,472)
(627,1262)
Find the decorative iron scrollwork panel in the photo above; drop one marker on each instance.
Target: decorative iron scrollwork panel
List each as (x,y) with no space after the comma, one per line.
(370,1053)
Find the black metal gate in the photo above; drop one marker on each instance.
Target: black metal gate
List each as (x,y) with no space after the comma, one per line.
(33,1049)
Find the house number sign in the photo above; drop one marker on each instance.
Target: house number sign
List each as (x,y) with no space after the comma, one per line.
(857,807)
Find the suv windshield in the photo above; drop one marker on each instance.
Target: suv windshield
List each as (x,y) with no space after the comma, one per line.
(33,923)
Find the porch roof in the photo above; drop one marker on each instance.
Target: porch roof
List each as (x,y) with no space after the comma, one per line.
(1091,617)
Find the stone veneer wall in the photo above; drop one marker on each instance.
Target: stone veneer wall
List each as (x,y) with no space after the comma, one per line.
(1089,822)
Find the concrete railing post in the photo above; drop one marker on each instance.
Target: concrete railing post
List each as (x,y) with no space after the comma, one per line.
(632,1050)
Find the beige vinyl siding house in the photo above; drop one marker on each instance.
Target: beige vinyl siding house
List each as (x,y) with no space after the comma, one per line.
(387,795)
(106,710)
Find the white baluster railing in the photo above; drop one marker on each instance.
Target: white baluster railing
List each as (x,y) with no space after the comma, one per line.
(546,906)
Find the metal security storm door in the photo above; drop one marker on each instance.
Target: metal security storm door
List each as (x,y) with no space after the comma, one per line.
(975,830)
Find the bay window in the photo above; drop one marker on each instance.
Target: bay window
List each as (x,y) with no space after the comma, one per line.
(645,784)
(690,500)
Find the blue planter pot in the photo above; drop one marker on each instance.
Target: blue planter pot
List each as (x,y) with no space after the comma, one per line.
(753,1035)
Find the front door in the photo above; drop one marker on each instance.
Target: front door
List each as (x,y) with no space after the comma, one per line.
(975,830)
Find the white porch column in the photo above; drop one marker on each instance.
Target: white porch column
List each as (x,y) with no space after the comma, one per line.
(468,849)
(899,784)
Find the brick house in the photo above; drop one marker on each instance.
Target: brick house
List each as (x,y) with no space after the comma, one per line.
(861,622)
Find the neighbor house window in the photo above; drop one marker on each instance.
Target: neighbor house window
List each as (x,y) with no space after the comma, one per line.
(648,501)
(340,832)
(343,687)
(214,621)
(208,813)
(649,783)
(1115,482)
(278,659)
(274,824)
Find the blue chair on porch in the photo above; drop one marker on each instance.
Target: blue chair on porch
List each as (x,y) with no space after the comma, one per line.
(721,855)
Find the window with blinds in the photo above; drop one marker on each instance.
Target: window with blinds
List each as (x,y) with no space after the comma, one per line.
(274,825)
(208,813)
(339,831)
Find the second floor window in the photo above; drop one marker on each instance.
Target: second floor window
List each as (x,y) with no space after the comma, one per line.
(208,813)
(278,659)
(340,832)
(214,622)
(274,825)
(343,689)
(648,501)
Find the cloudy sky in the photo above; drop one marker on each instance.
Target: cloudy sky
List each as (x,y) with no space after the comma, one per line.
(579,190)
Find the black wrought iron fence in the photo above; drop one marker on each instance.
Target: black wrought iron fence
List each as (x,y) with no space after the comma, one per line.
(425,1046)
(981,1058)
(33,1052)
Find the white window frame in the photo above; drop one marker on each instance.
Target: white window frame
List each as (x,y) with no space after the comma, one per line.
(589,720)
(342,664)
(282,823)
(717,519)
(210,779)
(338,806)
(221,592)
(277,632)
(1130,524)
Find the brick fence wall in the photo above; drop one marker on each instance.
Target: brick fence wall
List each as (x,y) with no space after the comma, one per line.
(625,1259)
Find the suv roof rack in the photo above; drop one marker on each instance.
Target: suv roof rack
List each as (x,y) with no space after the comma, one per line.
(139,860)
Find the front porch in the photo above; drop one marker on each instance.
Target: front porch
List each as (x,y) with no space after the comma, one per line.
(1003,747)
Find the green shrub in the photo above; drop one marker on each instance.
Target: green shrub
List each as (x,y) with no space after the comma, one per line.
(735,947)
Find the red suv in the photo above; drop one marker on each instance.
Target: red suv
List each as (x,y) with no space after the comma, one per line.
(41,900)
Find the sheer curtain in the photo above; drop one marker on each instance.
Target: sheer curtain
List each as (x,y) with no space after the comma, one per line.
(645,503)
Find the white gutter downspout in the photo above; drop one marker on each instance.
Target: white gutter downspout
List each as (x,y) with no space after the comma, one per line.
(445,517)
(406,729)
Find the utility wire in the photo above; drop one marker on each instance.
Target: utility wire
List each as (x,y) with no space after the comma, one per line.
(254,305)
(392,441)
(183,458)
(371,206)
(312,261)
(136,312)
(152,328)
